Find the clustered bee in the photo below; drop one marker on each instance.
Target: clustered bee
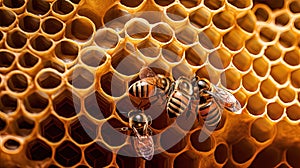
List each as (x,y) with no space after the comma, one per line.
(181,95)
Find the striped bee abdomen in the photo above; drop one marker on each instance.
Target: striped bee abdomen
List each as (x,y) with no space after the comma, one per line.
(210,112)
(178,103)
(142,89)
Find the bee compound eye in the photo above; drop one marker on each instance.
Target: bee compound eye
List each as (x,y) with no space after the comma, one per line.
(202,84)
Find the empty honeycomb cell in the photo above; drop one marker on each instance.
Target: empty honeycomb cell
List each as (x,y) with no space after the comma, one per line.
(295,81)
(67,51)
(172,52)
(262,130)
(190,4)
(273,52)
(41,43)
(124,157)
(109,133)
(247,22)
(112,84)
(82,130)
(149,49)
(182,70)
(18,82)
(220,59)
(66,104)
(11,145)
(273,6)
(116,18)
(240,4)
(221,153)
(172,140)
(209,73)
(256,105)
(3,123)
(7,19)
(286,94)
(209,38)
(233,40)
(268,157)
(223,20)
(81,78)
(292,156)
(262,13)
(186,36)
(243,150)
(275,110)
(48,79)
(282,19)
(137,28)
(250,82)
(29,23)
(294,6)
(160,67)
(297,24)
(214,4)
(7,59)
(253,46)
(195,55)
(293,112)
(292,57)
(186,159)
(242,60)
(16,40)
(202,141)
(8,103)
(267,34)
(53,27)
(268,89)
(52,129)
(37,7)
(36,102)
(176,13)
(67,154)
(162,32)
(200,18)
(126,63)
(287,39)
(106,38)
(230,78)
(93,57)
(63,9)
(131,4)
(38,150)
(55,65)
(164,2)
(80,29)
(28,61)
(261,66)
(97,155)
(14,3)
(23,126)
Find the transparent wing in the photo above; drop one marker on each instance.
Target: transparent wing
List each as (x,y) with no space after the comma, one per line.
(225,99)
(144,146)
(146,72)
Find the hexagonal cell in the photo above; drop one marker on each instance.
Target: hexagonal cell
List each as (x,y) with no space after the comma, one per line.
(273,6)
(273,52)
(162,32)
(36,102)
(200,18)
(292,57)
(68,154)
(16,39)
(268,157)
(28,59)
(274,110)
(82,130)
(295,78)
(116,18)
(8,103)
(256,105)
(62,7)
(250,82)
(29,23)
(149,49)
(97,155)
(172,52)
(221,153)
(164,2)
(293,112)
(282,19)
(240,4)
(262,130)
(7,59)
(280,73)
(11,144)
(209,38)
(109,133)
(223,20)
(195,55)
(23,126)
(294,6)
(242,60)
(186,35)
(288,39)
(7,17)
(243,150)
(137,28)
(253,45)
(52,129)
(52,25)
(297,23)
(18,82)
(268,89)
(47,79)
(80,29)
(214,4)
(190,4)
(41,43)
(186,159)
(182,70)
(38,7)
(233,39)
(202,141)
(67,51)
(267,34)
(176,13)
(38,150)
(261,66)
(209,73)
(131,4)
(286,94)
(220,59)
(231,78)
(106,38)
(66,104)
(292,156)
(172,140)
(81,78)
(262,13)
(124,158)
(93,57)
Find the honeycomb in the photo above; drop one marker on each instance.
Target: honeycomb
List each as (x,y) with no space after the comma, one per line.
(66,65)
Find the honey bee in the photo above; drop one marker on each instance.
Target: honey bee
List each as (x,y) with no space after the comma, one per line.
(212,101)
(142,139)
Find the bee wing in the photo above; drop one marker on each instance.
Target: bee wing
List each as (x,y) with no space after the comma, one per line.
(146,72)
(144,146)
(225,99)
